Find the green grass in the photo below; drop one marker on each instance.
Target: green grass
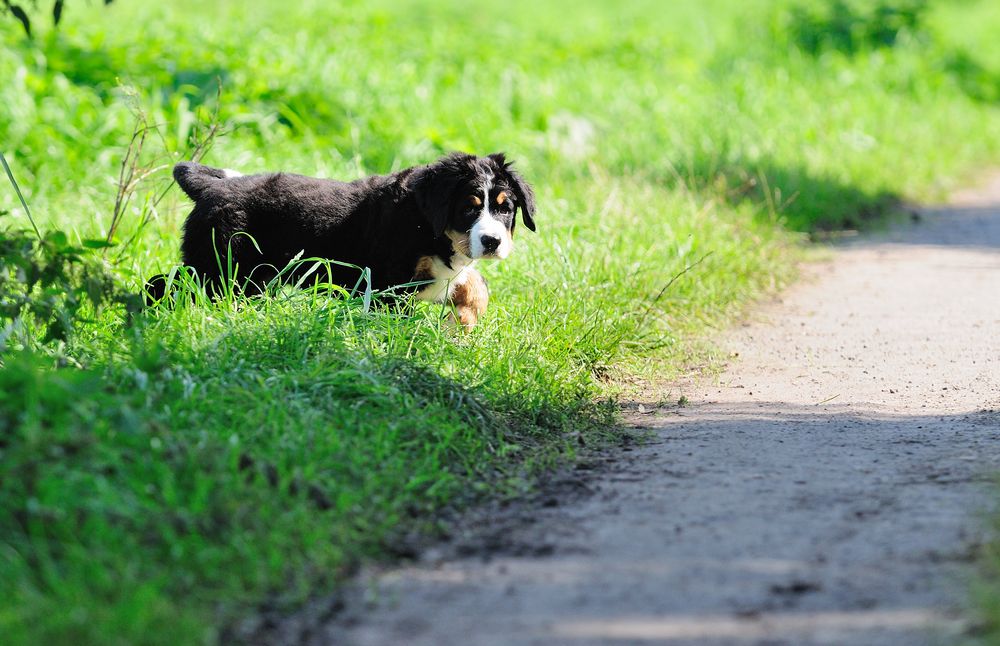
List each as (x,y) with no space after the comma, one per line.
(164,477)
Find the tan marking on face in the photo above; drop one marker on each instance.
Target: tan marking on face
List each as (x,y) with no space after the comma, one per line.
(501,197)
(475,200)
(470,300)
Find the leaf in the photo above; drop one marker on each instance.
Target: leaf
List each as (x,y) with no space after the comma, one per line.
(368,290)
(305,275)
(20,15)
(95,243)
(57,238)
(334,289)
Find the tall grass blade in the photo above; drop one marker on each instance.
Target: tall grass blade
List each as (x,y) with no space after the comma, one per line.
(367,276)
(17,189)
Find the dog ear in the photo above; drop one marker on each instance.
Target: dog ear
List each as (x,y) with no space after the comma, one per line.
(522,190)
(434,190)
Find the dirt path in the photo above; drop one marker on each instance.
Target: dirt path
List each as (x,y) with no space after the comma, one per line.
(825,490)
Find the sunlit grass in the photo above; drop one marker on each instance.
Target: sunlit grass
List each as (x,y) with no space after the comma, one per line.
(216,455)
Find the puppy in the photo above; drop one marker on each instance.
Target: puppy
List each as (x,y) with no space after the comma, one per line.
(427,224)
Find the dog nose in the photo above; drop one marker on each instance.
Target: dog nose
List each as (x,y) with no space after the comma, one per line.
(490,243)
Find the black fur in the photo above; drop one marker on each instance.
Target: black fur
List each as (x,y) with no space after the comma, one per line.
(256,224)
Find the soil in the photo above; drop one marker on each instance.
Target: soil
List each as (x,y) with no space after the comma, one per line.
(831,486)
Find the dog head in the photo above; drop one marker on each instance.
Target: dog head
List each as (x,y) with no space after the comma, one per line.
(473,200)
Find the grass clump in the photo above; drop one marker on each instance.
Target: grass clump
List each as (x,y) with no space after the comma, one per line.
(854,27)
(164,474)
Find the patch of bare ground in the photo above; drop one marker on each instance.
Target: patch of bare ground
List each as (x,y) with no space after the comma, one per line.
(826,488)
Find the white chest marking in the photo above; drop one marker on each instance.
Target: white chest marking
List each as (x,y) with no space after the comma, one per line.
(445,278)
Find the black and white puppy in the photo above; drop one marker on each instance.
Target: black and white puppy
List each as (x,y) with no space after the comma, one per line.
(428,223)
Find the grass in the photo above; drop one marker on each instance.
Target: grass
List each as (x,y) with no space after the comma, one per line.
(163,476)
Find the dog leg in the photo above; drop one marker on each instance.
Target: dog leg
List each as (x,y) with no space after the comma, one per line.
(469,299)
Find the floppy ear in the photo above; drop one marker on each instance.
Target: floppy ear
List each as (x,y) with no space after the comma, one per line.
(525,198)
(522,190)
(434,190)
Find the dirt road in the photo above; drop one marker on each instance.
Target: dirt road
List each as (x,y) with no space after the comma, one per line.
(828,488)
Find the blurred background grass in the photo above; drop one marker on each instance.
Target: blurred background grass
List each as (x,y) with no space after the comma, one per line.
(164,479)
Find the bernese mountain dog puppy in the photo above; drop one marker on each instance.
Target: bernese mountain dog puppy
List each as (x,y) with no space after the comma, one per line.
(426,225)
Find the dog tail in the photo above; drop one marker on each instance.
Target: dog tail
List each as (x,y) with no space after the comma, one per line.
(196,178)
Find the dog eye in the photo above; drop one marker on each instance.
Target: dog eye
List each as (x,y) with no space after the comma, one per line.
(504,203)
